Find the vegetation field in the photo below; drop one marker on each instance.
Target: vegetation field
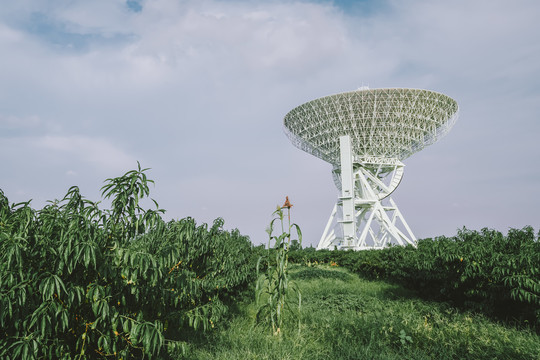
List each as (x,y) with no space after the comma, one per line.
(81,282)
(346,317)
(484,271)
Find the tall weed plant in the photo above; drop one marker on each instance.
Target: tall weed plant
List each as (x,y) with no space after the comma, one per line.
(274,288)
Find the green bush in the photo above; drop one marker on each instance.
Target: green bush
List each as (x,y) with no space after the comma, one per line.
(479,270)
(76,281)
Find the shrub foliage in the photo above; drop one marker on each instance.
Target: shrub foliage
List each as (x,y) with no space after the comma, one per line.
(479,270)
(78,281)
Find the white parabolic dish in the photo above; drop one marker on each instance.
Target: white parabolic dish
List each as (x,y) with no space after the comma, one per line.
(365,134)
(382,123)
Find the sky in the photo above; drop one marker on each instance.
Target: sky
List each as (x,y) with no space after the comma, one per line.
(197,91)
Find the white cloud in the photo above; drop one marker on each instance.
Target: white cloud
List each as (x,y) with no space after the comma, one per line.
(96,151)
(197,91)
(14,122)
(9,36)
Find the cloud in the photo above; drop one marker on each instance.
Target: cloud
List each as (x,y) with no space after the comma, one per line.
(14,123)
(197,91)
(94,151)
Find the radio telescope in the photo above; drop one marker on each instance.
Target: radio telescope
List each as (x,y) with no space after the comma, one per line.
(365,134)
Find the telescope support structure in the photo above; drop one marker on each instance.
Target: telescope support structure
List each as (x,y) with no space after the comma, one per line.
(360,220)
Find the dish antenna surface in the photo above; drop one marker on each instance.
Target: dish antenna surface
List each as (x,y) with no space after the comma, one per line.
(365,134)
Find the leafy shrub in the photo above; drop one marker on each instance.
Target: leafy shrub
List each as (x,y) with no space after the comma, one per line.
(479,270)
(77,281)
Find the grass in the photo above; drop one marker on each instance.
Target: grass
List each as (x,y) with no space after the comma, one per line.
(345,317)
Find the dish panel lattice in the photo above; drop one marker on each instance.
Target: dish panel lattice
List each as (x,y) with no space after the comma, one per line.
(382,123)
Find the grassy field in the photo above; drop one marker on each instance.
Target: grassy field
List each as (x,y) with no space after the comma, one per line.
(345,317)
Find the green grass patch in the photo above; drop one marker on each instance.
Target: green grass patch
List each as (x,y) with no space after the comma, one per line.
(345,317)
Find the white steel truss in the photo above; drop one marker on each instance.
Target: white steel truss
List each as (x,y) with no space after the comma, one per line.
(359,219)
(383,127)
